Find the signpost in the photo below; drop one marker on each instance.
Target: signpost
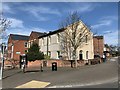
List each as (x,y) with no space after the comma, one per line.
(2,60)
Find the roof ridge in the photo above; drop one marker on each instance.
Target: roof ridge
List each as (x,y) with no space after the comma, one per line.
(37,32)
(19,35)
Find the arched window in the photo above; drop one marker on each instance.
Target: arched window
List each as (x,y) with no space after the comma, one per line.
(86,39)
(81,51)
(49,40)
(81,55)
(58,37)
(86,54)
(42,41)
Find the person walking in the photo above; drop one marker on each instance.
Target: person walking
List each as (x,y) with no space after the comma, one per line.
(41,67)
(103,58)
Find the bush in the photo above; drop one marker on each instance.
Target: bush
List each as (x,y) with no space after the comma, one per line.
(46,57)
(34,53)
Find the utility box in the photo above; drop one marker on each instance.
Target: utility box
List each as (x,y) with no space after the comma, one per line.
(54,66)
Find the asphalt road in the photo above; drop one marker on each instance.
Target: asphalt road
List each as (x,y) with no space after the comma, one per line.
(104,75)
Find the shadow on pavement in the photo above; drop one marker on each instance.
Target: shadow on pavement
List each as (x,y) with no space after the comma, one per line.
(11,75)
(32,71)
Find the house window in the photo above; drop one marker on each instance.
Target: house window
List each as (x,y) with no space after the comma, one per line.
(49,53)
(81,55)
(26,51)
(31,43)
(86,38)
(86,54)
(58,54)
(26,44)
(42,41)
(58,37)
(49,39)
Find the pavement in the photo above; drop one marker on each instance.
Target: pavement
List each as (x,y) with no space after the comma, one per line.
(10,72)
(99,75)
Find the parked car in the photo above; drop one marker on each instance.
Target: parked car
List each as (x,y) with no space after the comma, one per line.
(96,60)
(97,56)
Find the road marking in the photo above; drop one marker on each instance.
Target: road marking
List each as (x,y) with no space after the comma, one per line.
(84,84)
(34,84)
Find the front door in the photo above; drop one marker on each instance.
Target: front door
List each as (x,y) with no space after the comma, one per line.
(44,63)
(80,56)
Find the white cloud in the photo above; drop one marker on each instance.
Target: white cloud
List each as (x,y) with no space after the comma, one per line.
(82,7)
(104,21)
(21,31)
(17,27)
(7,9)
(111,38)
(86,8)
(106,32)
(16,23)
(0,8)
(110,17)
(39,29)
(39,11)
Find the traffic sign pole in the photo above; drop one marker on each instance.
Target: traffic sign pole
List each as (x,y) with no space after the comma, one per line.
(3,45)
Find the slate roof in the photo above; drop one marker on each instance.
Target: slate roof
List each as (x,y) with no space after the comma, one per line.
(19,37)
(98,37)
(52,32)
(38,33)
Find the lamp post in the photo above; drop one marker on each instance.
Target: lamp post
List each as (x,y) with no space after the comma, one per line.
(2,59)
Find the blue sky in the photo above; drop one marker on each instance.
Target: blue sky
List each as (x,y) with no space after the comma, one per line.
(45,17)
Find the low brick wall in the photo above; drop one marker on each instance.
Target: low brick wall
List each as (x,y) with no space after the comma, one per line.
(35,63)
(11,64)
(48,63)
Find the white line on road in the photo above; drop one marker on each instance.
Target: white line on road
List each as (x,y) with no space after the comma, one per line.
(85,84)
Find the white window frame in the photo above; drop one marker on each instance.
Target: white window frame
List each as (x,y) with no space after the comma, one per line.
(26,44)
(58,54)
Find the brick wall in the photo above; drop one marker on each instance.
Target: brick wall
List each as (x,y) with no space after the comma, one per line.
(11,63)
(60,63)
(35,65)
(98,43)
(34,37)
(19,46)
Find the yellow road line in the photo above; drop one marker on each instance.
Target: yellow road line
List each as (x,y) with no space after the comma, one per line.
(34,84)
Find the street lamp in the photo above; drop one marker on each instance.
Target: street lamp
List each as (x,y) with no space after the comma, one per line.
(2,59)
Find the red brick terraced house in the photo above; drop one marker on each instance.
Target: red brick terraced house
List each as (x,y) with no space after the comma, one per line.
(17,45)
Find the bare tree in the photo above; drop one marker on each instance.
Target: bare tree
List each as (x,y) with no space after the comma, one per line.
(75,35)
(4,24)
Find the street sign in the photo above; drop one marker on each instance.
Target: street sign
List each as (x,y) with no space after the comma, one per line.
(2,63)
(3,47)
(17,52)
